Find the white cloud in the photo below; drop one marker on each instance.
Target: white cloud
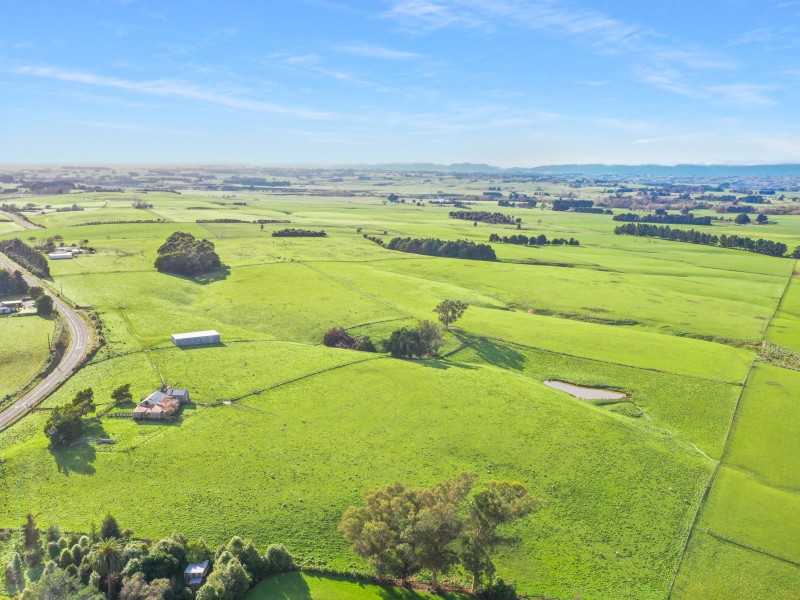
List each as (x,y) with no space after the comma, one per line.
(371,51)
(166,87)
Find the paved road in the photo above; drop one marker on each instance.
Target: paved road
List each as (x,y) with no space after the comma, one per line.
(19,220)
(76,351)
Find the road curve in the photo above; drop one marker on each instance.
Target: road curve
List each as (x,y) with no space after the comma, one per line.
(76,351)
(20,221)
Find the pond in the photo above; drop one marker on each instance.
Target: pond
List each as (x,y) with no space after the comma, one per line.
(584,393)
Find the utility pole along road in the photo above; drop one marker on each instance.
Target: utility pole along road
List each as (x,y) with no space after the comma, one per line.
(76,351)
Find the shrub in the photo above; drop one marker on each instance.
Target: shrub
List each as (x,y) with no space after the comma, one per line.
(499,590)
(278,559)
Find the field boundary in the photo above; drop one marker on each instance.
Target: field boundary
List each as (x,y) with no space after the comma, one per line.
(726,445)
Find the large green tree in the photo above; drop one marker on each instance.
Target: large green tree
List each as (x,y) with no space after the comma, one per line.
(450,311)
(107,561)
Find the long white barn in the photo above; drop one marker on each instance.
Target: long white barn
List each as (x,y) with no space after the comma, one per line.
(196,337)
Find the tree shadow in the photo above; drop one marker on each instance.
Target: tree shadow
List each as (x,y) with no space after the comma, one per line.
(444,364)
(203,278)
(79,456)
(201,346)
(492,353)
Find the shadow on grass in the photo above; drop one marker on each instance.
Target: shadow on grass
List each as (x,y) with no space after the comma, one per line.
(78,457)
(203,278)
(202,346)
(295,586)
(444,365)
(495,354)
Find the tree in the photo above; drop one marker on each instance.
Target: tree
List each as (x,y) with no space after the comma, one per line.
(498,503)
(109,528)
(122,394)
(228,581)
(761,219)
(278,559)
(57,584)
(107,561)
(450,311)
(44,304)
(13,571)
(796,252)
(378,530)
(741,219)
(404,343)
(31,532)
(430,337)
(437,523)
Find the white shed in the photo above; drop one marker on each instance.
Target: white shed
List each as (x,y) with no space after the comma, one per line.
(195,338)
(60,255)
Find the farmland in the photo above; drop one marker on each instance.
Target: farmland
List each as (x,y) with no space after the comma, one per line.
(286,433)
(23,350)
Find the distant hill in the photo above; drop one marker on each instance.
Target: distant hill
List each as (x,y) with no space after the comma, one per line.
(598,170)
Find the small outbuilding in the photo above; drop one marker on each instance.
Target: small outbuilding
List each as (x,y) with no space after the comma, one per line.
(195,574)
(195,338)
(60,255)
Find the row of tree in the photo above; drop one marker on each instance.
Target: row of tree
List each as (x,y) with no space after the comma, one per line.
(534,240)
(337,337)
(289,232)
(402,531)
(183,254)
(674,219)
(483,216)
(564,205)
(760,246)
(78,567)
(464,249)
(28,257)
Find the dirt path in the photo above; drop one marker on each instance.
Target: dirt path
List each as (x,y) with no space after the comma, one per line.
(76,352)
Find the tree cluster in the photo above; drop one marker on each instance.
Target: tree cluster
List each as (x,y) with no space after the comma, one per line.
(298,233)
(182,254)
(691,236)
(679,219)
(449,249)
(66,423)
(28,257)
(422,341)
(82,567)
(12,285)
(495,218)
(564,205)
(402,531)
(534,240)
(337,337)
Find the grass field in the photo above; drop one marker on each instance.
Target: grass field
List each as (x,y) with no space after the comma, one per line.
(23,350)
(309,429)
(305,586)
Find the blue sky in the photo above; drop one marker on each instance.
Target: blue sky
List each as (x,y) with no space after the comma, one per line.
(506,82)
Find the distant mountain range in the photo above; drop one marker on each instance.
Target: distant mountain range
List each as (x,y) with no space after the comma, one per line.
(600,170)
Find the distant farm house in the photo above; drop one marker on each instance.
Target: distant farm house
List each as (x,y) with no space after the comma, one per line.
(195,573)
(196,338)
(161,405)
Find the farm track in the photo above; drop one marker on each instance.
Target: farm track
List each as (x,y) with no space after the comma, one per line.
(77,350)
(725,449)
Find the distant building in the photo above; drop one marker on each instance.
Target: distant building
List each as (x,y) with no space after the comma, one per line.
(60,255)
(6,310)
(195,574)
(197,337)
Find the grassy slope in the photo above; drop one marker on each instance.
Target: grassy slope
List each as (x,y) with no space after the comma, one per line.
(621,491)
(23,350)
(747,527)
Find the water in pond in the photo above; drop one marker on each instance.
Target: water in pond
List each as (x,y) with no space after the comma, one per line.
(584,393)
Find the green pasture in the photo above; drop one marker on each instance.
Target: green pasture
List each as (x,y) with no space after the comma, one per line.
(23,350)
(309,586)
(287,433)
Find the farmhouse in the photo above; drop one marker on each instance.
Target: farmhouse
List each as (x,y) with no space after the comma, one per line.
(60,255)
(195,338)
(160,405)
(195,573)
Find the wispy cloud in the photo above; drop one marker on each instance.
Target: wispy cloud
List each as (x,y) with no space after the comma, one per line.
(746,94)
(742,94)
(166,87)
(372,51)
